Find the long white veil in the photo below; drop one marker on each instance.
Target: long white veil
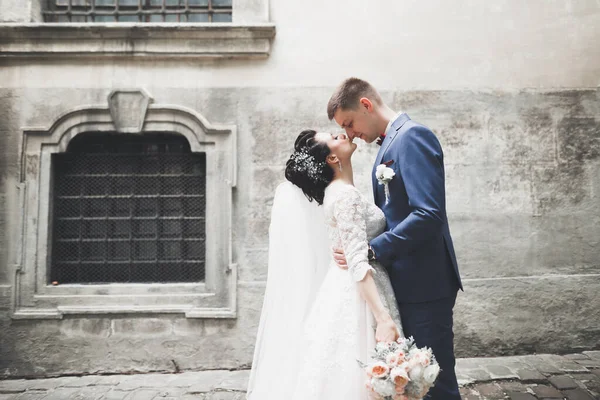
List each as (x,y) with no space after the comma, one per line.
(299,254)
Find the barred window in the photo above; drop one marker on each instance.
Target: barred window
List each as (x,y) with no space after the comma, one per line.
(138,11)
(128,209)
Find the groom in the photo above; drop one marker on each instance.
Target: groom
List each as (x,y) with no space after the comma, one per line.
(416,247)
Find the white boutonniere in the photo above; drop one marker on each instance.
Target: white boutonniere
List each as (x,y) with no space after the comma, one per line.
(384,175)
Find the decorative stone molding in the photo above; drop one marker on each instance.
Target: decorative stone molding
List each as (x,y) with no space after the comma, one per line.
(210,40)
(128,109)
(214,298)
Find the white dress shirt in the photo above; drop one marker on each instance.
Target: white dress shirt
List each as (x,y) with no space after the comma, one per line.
(389,125)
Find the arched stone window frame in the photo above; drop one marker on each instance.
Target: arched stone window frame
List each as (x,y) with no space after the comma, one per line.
(129,111)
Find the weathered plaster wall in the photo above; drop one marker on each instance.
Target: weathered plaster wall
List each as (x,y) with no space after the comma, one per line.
(522,188)
(494,81)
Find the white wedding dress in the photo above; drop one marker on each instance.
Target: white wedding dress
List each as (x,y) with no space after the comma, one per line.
(340,329)
(337,329)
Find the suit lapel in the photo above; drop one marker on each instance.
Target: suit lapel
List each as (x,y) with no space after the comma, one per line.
(375,183)
(389,138)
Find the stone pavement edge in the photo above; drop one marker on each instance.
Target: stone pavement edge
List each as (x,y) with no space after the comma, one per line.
(532,377)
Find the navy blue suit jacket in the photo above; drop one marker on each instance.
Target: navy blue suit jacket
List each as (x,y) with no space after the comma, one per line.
(416,247)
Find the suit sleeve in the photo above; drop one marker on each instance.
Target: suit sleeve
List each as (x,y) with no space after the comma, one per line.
(422,171)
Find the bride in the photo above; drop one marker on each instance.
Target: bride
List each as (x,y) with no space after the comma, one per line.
(319,320)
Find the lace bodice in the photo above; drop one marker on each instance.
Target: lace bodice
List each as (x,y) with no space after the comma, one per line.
(353,222)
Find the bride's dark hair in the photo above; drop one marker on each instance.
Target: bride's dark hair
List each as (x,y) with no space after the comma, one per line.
(307,168)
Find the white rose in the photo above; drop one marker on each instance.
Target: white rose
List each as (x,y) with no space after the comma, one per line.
(392,359)
(431,373)
(413,351)
(405,366)
(416,373)
(384,387)
(388,174)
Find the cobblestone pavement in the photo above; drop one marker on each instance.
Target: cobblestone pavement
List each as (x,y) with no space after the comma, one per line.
(545,376)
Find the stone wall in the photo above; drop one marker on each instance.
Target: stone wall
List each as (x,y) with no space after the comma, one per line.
(523,201)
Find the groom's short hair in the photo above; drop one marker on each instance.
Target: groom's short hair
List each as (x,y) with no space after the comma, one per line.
(348,94)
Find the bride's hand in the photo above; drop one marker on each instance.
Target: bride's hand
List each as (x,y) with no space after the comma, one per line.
(387,331)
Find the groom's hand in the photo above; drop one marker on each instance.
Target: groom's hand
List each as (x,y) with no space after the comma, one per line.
(340,258)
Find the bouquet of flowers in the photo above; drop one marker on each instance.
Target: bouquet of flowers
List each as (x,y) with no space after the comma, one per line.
(401,371)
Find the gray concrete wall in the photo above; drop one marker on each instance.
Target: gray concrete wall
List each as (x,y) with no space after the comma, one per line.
(15,10)
(495,82)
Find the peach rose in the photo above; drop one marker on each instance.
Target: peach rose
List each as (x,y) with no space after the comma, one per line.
(423,359)
(400,389)
(378,370)
(414,362)
(401,356)
(375,396)
(400,378)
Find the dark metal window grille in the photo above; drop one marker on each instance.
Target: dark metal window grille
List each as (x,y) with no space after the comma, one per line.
(138,11)
(128,209)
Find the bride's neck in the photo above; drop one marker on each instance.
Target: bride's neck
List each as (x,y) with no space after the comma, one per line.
(345,174)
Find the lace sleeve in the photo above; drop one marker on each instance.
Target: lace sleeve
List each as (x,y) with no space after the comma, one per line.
(350,217)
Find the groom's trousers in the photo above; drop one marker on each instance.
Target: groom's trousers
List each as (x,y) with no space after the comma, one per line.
(430,323)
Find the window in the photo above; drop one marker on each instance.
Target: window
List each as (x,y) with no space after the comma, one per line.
(138,11)
(128,207)
(128,210)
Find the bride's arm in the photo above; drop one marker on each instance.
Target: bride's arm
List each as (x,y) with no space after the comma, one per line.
(350,218)
(387,331)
